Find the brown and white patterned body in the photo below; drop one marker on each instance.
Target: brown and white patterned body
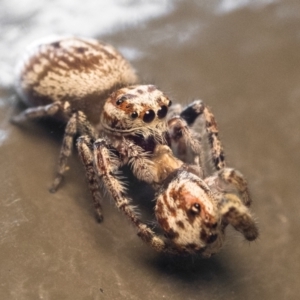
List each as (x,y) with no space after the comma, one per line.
(69,79)
(89,85)
(80,71)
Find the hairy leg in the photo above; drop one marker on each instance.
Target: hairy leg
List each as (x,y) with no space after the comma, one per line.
(77,123)
(40,111)
(65,152)
(198,109)
(138,159)
(190,130)
(234,212)
(235,179)
(85,150)
(70,131)
(182,137)
(106,165)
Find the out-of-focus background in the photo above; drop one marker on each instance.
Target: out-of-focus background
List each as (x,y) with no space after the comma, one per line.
(243,58)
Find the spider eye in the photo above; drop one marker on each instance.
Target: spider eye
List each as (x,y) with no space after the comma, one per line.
(121,100)
(134,115)
(162,112)
(196,208)
(170,103)
(149,116)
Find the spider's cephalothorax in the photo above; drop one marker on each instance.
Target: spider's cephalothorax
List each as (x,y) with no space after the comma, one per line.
(136,110)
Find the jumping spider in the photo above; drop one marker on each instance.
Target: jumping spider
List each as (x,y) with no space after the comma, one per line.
(136,127)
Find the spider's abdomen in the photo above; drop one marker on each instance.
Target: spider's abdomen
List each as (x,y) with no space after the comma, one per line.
(81,71)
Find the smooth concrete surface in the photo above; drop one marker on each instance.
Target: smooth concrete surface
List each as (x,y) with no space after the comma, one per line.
(243,59)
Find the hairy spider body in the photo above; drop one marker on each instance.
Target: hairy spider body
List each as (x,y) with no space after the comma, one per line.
(89,85)
(80,71)
(69,79)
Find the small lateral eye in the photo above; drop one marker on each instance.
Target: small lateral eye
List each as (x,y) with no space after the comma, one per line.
(121,100)
(170,103)
(149,116)
(162,112)
(196,208)
(134,115)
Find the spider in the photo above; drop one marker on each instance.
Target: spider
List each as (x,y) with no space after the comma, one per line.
(70,79)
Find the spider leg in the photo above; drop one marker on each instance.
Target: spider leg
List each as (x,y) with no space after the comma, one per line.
(38,112)
(192,128)
(85,150)
(181,134)
(142,166)
(77,123)
(185,143)
(65,152)
(235,179)
(84,127)
(207,128)
(238,215)
(70,131)
(106,165)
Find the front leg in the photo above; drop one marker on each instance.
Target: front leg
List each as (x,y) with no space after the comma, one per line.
(85,150)
(199,116)
(65,152)
(107,168)
(185,143)
(238,215)
(139,160)
(229,180)
(235,179)
(231,191)
(77,123)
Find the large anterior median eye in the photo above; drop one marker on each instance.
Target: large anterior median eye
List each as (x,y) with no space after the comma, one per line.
(162,112)
(149,116)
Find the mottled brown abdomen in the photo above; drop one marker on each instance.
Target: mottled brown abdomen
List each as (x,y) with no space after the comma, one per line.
(79,70)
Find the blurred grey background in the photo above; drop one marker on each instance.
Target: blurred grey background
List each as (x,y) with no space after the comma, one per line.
(243,59)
